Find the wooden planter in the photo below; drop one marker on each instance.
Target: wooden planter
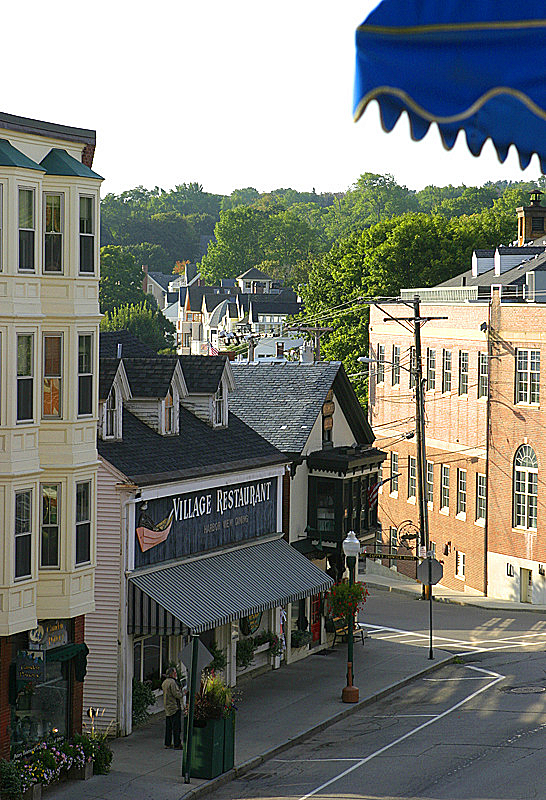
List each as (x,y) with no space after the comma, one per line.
(213,748)
(81,773)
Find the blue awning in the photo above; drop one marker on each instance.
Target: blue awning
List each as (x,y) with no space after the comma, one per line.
(478,67)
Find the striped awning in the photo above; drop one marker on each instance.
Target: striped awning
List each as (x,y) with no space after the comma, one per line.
(207,592)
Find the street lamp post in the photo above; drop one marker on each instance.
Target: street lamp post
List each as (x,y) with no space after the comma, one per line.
(351,548)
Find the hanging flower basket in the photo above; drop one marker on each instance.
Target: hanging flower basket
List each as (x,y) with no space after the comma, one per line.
(345,600)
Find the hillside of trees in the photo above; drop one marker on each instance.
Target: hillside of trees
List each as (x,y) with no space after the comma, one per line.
(373,239)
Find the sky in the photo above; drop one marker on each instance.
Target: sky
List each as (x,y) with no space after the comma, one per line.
(226,94)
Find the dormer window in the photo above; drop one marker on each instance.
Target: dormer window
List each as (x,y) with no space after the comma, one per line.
(169,413)
(110,415)
(219,406)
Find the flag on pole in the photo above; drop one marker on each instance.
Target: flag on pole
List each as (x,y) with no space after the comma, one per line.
(373,491)
(212,350)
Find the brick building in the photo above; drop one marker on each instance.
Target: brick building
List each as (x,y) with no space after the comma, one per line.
(483,371)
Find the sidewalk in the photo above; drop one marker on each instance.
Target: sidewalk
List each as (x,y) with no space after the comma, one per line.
(277,709)
(398,583)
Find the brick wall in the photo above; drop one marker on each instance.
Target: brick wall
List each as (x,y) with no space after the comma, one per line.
(77,693)
(87,155)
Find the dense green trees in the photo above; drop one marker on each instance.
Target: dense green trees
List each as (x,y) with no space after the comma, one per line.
(149,325)
(120,278)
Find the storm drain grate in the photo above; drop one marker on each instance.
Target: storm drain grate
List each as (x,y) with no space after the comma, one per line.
(528,689)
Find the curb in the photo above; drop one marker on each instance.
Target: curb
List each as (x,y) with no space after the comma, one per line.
(247,766)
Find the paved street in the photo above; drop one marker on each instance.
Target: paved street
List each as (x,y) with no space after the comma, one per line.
(471,730)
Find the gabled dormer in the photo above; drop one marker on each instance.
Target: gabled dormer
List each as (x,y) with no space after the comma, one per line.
(114,390)
(157,387)
(209,380)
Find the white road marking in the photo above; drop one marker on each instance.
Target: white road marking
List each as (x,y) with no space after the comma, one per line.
(444,680)
(496,678)
(402,716)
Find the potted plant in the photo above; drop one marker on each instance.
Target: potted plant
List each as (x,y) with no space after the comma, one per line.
(213,736)
(300,638)
(345,599)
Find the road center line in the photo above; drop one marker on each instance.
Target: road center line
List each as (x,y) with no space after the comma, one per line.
(497,677)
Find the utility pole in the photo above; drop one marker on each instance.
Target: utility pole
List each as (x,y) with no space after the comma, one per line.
(317,332)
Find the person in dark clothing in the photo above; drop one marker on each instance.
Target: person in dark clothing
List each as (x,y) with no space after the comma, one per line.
(173,698)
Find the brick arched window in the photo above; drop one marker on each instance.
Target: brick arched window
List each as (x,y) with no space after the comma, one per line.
(525,488)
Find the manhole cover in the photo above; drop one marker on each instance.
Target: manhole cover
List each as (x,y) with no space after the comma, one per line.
(528,690)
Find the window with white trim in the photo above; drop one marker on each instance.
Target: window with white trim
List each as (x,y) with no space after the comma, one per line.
(412,476)
(461,491)
(52,375)
(395,376)
(87,234)
(394,473)
(460,565)
(463,372)
(218,405)
(110,429)
(525,490)
(446,371)
(27,230)
(25,377)
(481,490)
(50,522)
(85,374)
(527,376)
(444,487)
(83,522)
(381,363)
(430,482)
(431,368)
(169,412)
(23,533)
(1,228)
(483,375)
(53,232)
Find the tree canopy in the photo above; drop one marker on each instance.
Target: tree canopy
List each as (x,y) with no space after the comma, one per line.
(150,326)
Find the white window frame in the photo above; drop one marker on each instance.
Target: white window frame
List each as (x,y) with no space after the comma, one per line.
(460,565)
(110,415)
(59,377)
(525,489)
(380,363)
(431,368)
(461,493)
(60,233)
(394,472)
(85,374)
(1,227)
(87,234)
(430,483)
(481,496)
(447,366)
(412,477)
(82,521)
(444,487)
(483,375)
(44,525)
(23,534)
(527,376)
(395,374)
(24,377)
(218,406)
(170,416)
(463,372)
(32,190)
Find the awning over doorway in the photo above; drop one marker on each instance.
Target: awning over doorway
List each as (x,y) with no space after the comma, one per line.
(207,592)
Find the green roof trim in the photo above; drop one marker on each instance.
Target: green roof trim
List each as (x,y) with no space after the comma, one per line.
(11,157)
(59,162)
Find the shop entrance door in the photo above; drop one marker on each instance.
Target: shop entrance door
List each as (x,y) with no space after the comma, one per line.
(315,619)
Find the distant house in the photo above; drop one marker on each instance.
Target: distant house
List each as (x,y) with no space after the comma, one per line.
(254,281)
(156,284)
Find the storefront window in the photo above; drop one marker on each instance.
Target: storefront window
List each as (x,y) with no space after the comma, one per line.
(151,659)
(39,693)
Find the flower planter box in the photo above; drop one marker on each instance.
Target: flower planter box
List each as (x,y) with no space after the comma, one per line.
(213,748)
(81,773)
(34,793)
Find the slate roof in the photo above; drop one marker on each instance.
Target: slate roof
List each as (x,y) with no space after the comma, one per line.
(202,373)
(213,300)
(150,377)
(132,347)
(273,307)
(161,278)
(107,372)
(254,274)
(146,457)
(282,400)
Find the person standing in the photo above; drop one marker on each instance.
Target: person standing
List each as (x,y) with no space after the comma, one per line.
(173,698)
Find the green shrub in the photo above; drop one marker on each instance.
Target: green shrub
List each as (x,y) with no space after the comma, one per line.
(245,652)
(143,698)
(10,780)
(300,638)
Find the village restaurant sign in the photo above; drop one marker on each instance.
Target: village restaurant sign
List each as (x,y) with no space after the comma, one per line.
(185,524)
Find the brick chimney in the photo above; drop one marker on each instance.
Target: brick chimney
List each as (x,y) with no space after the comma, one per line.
(531,219)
